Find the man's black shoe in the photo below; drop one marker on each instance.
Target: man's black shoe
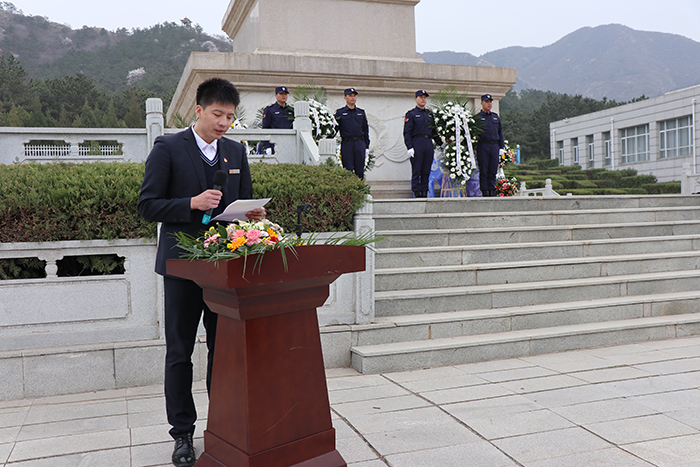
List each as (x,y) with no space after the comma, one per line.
(183,455)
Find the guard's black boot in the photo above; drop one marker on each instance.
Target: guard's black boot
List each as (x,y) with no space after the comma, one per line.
(183,454)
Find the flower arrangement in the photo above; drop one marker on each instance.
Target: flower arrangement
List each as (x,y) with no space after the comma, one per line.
(244,238)
(454,122)
(322,121)
(509,156)
(506,186)
(239,238)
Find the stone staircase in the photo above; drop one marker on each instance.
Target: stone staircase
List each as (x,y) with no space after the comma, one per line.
(464,280)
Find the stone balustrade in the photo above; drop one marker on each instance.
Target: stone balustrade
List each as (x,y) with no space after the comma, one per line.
(25,145)
(690,182)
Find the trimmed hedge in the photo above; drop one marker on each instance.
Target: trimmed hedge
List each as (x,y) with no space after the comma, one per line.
(574,180)
(51,202)
(334,192)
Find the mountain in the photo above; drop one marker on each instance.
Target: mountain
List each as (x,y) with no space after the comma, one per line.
(611,61)
(153,58)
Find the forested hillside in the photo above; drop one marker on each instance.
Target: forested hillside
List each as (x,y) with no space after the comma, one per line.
(52,75)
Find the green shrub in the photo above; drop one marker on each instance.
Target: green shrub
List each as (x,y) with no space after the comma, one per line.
(22,268)
(51,202)
(334,193)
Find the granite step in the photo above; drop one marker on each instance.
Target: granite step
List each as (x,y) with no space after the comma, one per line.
(463,220)
(515,204)
(470,254)
(511,272)
(496,320)
(452,237)
(446,299)
(403,356)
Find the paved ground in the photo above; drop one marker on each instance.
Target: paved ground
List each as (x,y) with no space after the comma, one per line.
(625,406)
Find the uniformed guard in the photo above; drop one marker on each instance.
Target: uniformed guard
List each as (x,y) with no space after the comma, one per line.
(489,147)
(419,132)
(354,131)
(277,116)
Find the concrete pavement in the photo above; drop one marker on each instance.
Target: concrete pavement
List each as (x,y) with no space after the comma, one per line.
(632,405)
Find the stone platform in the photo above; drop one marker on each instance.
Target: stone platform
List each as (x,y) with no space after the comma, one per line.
(634,405)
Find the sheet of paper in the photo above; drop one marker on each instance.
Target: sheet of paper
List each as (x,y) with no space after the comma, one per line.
(238,208)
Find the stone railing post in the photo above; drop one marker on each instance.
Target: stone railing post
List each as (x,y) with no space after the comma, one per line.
(685,179)
(302,120)
(327,150)
(523,189)
(155,123)
(548,191)
(364,286)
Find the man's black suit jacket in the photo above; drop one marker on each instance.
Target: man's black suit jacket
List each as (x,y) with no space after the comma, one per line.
(175,174)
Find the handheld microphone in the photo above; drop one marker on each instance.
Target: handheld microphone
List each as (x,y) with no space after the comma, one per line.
(219,182)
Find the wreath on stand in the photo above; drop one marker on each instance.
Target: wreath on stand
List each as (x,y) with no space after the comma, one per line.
(455,124)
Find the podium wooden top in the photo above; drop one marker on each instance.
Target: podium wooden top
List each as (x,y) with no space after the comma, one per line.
(304,263)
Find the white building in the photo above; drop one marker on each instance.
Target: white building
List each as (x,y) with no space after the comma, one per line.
(655,136)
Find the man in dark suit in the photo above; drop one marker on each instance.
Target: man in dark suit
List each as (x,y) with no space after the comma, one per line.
(177,191)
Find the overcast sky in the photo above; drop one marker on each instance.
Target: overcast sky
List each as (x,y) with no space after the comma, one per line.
(470,26)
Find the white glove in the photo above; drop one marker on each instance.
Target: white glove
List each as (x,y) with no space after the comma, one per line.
(443,145)
(501,152)
(268,151)
(410,153)
(366,152)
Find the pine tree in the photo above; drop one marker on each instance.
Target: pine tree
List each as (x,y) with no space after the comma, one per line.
(135,117)
(17,116)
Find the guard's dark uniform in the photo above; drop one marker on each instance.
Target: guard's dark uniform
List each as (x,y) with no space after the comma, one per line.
(419,132)
(354,131)
(490,141)
(277,117)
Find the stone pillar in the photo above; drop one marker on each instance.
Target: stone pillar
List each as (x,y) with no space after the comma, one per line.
(155,124)
(302,120)
(364,285)
(327,150)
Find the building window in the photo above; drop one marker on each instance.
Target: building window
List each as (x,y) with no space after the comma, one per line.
(676,137)
(560,151)
(574,149)
(608,148)
(635,144)
(590,150)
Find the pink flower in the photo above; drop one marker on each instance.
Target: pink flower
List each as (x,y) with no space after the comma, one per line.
(209,240)
(253,237)
(236,234)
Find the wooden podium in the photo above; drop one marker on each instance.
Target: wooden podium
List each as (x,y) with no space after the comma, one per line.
(268,405)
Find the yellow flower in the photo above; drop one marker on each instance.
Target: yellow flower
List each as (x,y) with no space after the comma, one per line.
(236,244)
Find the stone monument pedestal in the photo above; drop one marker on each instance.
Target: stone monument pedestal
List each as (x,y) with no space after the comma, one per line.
(280,42)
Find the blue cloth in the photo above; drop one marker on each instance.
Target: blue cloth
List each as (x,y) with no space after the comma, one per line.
(473,190)
(435,176)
